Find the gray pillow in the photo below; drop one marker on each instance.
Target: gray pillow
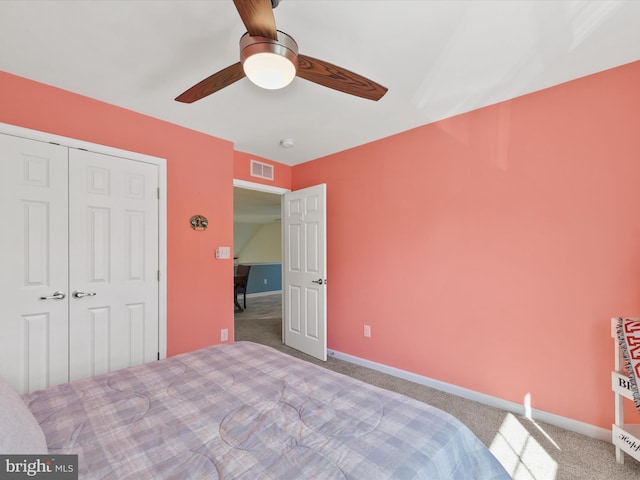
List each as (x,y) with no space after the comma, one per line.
(19,429)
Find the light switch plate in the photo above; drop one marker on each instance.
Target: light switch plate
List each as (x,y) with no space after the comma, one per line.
(223,253)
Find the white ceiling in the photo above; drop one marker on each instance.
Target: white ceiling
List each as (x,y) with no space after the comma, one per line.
(438,59)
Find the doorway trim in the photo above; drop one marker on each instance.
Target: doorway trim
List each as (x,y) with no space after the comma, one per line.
(259,187)
(41,136)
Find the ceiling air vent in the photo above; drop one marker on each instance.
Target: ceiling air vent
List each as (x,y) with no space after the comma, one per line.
(261,170)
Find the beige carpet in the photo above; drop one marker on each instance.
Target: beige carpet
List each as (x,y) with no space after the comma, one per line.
(528,450)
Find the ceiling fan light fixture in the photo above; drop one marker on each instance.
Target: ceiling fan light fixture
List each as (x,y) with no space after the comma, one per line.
(269,70)
(268,63)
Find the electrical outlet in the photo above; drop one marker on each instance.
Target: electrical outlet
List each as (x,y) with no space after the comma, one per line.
(367,330)
(265,281)
(224,335)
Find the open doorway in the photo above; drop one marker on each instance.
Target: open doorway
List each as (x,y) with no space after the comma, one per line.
(258,244)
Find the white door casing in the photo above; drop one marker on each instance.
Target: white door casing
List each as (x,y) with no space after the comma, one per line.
(113,264)
(34,259)
(305,270)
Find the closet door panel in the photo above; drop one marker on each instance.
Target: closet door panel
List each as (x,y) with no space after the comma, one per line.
(34,259)
(114,263)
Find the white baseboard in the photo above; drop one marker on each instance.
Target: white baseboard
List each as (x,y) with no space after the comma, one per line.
(587,429)
(262,294)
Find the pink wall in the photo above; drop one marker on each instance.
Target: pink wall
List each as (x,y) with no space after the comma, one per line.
(490,250)
(200,181)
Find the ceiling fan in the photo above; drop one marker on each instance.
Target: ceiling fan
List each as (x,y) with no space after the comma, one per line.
(270,59)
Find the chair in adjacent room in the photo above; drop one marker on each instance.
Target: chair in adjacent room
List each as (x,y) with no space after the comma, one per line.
(240,284)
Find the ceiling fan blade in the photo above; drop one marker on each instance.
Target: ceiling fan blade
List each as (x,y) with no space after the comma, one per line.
(328,75)
(257,16)
(212,84)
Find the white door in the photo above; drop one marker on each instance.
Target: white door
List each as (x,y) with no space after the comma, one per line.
(113,264)
(305,271)
(34,263)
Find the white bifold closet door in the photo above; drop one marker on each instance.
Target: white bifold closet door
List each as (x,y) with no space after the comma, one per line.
(113,263)
(79,256)
(34,253)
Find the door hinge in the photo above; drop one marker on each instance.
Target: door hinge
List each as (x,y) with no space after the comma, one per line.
(158,192)
(158,355)
(158,275)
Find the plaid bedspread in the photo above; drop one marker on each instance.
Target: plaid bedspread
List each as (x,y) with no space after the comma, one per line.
(246,411)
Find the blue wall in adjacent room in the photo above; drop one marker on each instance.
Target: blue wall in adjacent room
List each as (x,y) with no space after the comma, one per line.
(271,272)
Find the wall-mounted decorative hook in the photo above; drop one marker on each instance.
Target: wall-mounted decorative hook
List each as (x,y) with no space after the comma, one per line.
(198,222)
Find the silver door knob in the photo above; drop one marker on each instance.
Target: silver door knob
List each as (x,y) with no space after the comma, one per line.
(79,294)
(56,296)
(319,281)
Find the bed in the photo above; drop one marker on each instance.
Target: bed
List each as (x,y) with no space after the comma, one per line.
(247,411)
